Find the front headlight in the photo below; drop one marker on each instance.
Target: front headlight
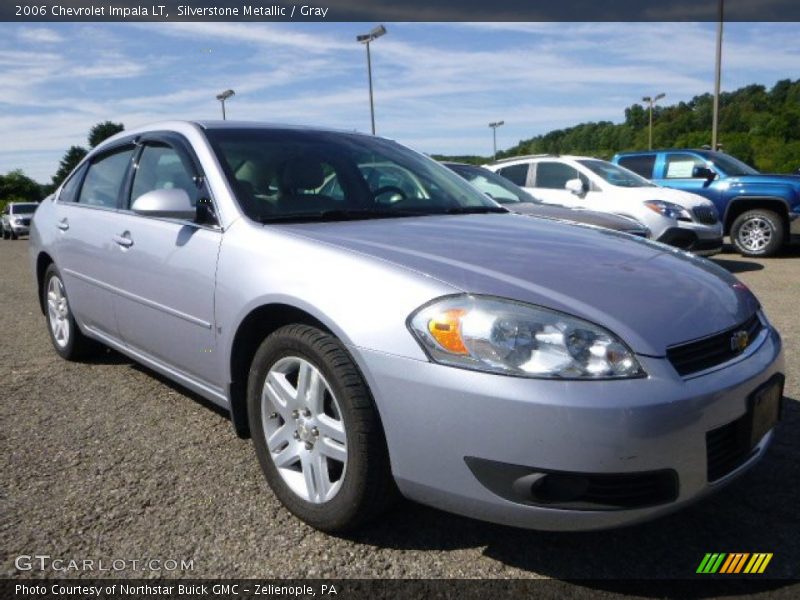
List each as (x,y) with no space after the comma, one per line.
(503,336)
(669,210)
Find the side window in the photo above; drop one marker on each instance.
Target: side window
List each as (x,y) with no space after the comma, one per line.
(517,174)
(641,165)
(104,178)
(554,175)
(161,167)
(69,191)
(681,166)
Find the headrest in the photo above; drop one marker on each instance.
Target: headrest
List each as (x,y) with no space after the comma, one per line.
(302,173)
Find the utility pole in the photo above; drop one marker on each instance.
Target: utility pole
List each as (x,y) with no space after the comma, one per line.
(717,77)
(494,127)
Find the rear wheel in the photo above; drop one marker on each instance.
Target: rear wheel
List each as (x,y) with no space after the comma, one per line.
(67,338)
(758,233)
(316,430)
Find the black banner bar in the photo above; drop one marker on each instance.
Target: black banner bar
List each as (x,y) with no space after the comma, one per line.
(396,589)
(394,10)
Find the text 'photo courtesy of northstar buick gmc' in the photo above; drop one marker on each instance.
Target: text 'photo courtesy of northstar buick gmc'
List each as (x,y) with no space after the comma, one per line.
(375,340)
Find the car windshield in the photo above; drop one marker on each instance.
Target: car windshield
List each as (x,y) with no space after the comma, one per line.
(303,175)
(732,167)
(495,186)
(23,209)
(614,174)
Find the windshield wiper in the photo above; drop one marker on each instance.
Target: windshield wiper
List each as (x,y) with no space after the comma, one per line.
(338,214)
(474,210)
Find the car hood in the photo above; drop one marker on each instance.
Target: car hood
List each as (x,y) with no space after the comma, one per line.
(651,295)
(590,217)
(680,197)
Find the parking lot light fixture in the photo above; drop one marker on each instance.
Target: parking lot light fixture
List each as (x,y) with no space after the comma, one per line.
(222,97)
(651,101)
(366,39)
(494,127)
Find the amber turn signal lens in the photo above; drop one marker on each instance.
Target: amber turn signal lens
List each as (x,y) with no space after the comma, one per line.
(445,329)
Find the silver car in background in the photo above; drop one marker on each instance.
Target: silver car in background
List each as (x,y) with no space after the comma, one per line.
(16,219)
(517,370)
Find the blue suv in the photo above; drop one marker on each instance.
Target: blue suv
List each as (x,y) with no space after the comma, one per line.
(759,211)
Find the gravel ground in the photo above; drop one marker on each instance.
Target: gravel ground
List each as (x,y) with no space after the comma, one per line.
(107,460)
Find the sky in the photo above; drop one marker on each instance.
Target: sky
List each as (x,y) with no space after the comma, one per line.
(437,85)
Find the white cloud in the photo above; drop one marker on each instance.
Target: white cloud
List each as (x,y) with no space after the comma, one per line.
(39,35)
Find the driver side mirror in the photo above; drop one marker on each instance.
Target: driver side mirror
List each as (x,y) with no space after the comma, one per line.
(575,186)
(166,203)
(704,173)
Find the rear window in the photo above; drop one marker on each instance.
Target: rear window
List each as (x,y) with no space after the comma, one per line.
(517,174)
(642,164)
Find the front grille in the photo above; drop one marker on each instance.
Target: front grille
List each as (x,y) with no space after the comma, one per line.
(706,214)
(711,351)
(728,447)
(25,222)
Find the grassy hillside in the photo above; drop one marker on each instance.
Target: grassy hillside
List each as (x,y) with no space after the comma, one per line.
(759,126)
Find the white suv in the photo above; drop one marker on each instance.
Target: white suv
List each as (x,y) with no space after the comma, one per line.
(674,217)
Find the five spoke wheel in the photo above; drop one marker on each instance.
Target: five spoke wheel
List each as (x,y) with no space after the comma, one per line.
(304,429)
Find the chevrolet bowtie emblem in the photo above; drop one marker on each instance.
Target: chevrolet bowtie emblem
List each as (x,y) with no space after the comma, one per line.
(739,341)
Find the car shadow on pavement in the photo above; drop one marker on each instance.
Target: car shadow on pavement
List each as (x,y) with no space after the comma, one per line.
(737,266)
(756,513)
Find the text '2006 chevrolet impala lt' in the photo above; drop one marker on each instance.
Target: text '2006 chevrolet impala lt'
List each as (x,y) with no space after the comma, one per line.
(375,337)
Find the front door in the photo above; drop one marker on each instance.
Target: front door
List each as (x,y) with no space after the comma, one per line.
(167,267)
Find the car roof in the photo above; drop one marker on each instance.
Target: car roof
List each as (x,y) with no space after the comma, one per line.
(702,151)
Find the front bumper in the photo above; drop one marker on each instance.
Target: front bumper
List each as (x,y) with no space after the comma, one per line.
(704,240)
(18,229)
(437,418)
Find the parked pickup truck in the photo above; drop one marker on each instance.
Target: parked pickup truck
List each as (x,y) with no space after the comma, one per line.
(759,211)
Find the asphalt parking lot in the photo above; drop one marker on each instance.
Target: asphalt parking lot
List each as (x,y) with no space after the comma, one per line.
(108,460)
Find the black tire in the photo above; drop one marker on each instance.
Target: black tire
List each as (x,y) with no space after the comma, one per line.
(6,234)
(758,232)
(77,345)
(14,236)
(367,487)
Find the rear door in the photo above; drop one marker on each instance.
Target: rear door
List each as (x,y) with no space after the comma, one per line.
(167,267)
(86,217)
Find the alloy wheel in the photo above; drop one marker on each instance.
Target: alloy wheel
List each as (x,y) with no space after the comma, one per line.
(304,429)
(58,312)
(755,234)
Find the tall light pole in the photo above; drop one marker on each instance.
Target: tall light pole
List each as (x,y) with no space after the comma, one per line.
(366,39)
(222,97)
(494,127)
(717,76)
(651,101)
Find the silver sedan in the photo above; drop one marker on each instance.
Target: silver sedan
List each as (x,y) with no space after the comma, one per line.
(376,338)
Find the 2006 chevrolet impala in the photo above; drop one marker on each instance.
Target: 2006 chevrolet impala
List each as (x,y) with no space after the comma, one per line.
(373,336)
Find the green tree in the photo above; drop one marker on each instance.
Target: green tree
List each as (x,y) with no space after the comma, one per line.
(103,131)
(70,160)
(15,186)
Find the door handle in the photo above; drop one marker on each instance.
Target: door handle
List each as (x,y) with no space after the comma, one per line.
(124,240)
(63,224)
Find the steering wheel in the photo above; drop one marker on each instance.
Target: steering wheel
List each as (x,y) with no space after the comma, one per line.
(390,188)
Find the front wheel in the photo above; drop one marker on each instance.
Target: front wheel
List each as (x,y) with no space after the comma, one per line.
(316,430)
(758,233)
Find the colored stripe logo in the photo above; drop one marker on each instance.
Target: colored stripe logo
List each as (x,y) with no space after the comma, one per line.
(734,563)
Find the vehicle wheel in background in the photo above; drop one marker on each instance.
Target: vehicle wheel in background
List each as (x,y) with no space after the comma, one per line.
(316,430)
(65,334)
(758,233)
